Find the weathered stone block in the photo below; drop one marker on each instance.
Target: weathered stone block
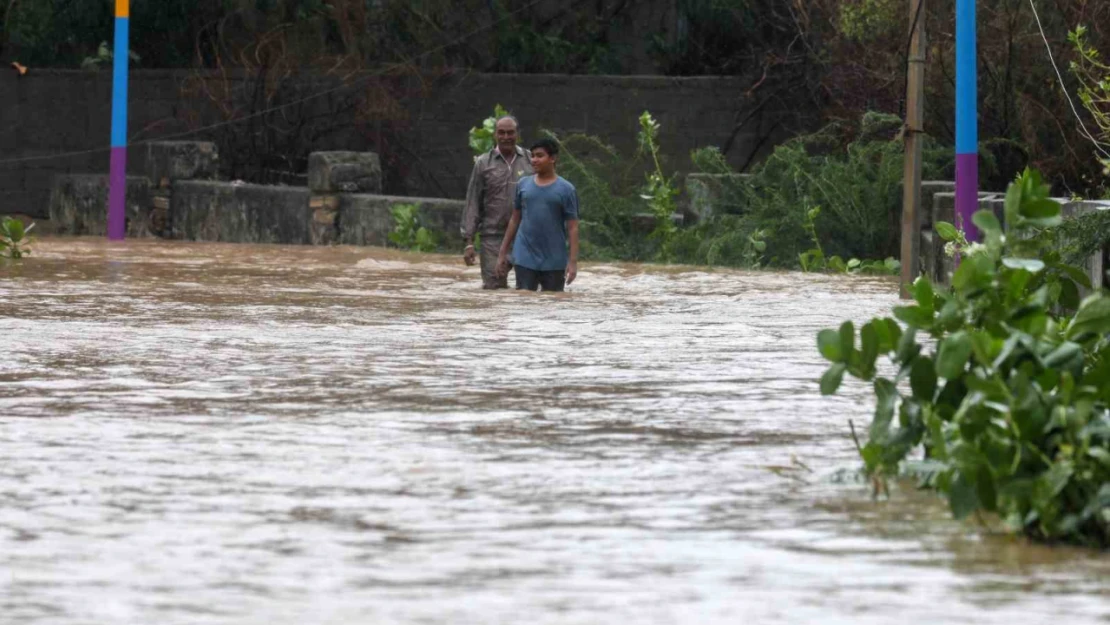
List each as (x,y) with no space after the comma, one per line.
(325,219)
(929,189)
(344,172)
(708,194)
(944,205)
(239,213)
(165,162)
(79,205)
(367,220)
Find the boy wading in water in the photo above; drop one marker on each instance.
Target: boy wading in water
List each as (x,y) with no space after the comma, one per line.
(545,218)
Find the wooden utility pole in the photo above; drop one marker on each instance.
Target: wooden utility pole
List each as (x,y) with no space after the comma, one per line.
(911,176)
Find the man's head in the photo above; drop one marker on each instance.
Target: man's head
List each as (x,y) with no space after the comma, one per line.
(505,133)
(544,154)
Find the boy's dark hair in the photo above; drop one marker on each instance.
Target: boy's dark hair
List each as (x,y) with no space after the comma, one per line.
(548,145)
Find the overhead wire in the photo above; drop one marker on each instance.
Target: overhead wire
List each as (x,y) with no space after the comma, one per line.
(1099,145)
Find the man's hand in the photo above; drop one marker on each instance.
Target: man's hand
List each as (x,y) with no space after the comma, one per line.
(502,266)
(572,271)
(470,256)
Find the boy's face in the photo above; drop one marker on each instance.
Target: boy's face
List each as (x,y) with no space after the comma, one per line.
(542,162)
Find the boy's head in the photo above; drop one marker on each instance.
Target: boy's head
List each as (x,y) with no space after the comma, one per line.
(544,153)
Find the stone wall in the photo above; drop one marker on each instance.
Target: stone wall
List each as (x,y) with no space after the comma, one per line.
(939,204)
(180,201)
(58,122)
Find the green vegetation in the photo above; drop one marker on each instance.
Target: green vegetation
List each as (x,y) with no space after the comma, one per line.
(767,219)
(659,190)
(408,233)
(815,201)
(15,241)
(1012,408)
(103,58)
(814,259)
(481,139)
(1094,91)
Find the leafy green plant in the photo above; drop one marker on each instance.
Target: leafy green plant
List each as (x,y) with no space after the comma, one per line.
(659,190)
(710,160)
(481,139)
(1094,85)
(103,57)
(14,238)
(408,233)
(1012,408)
(855,175)
(814,258)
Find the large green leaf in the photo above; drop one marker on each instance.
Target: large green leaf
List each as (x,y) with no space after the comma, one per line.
(914,316)
(923,379)
(828,343)
(985,488)
(1075,273)
(1032,265)
(1093,316)
(847,340)
(962,497)
(887,396)
(832,378)
(923,294)
(869,350)
(954,351)
(987,222)
(946,231)
(907,346)
(1067,355)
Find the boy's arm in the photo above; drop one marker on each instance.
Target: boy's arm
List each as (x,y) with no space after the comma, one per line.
(507,243)
(572,265)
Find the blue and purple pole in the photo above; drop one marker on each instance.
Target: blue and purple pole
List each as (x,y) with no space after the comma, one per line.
(967,120)
(117,176)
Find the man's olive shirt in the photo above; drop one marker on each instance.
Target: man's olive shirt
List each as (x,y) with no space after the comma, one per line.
(489,197)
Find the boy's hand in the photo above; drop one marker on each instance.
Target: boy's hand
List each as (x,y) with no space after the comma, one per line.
(470,255)
(572,271)
(502,266)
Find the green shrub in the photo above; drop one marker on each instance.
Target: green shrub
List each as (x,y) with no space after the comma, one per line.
(481,139)
(1012,407)
(658,190)
(408,233)
(14,238)
(856,179)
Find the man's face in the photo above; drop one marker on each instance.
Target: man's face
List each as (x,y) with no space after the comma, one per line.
(542,162)
(505,132)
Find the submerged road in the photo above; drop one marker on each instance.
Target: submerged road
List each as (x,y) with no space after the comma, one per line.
(205,433)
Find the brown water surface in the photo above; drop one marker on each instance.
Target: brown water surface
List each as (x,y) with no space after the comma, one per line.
(205,433)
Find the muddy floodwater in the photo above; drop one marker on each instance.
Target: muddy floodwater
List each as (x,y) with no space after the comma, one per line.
(206,433)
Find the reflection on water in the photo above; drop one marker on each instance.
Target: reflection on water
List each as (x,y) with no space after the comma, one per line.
(203,433)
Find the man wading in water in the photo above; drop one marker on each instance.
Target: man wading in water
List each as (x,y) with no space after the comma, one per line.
(546,213)
(489,199)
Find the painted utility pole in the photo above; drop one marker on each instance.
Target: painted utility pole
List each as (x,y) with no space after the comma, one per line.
(967,120)
(117,176)
(911,175)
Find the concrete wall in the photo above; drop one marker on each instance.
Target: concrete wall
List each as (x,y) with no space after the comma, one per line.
(939,202)
(47,113)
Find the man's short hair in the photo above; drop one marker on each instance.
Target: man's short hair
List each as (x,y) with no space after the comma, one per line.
(516,124)
(547,144)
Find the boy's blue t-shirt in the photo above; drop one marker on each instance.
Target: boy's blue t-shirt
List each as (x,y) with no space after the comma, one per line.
(541,240)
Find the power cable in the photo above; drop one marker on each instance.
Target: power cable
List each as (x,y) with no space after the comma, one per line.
(1098,144)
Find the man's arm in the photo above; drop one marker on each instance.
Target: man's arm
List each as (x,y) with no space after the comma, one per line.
(572,265)
(472,214)
(507,244)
